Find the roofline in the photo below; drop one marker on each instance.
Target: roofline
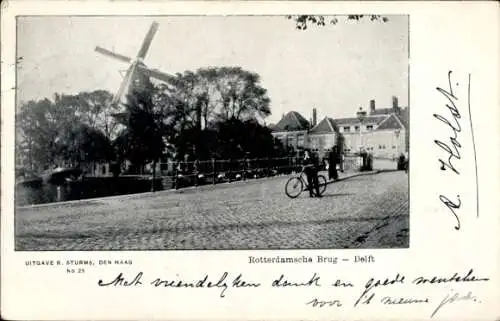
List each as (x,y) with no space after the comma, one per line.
(330,124)
(383,121)
(296,118)
(336,120)
(389,116)
(318,124)
(400,122)
(289,131)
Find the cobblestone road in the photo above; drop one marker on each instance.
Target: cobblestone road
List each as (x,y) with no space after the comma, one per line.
(369,211)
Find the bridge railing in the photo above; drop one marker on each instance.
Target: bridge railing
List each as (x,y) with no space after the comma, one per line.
(214,171)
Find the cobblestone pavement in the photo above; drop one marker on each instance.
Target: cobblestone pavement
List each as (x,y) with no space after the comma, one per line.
(369,211)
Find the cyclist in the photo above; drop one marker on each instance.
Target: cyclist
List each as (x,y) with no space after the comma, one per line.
(311,168)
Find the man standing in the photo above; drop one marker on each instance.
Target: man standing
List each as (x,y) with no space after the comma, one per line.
(311,169)
(333,160)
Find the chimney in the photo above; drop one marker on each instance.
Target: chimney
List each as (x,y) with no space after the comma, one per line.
(395,105)
(372,106)
(314,117)
(361,113)
(395,102)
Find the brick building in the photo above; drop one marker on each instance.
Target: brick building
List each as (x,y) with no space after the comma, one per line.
(384,132)
(292,130)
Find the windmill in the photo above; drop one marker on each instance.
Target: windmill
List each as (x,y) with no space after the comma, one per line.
(137,71)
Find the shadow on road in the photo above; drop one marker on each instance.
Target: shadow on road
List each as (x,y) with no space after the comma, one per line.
(337,195)
(360,174)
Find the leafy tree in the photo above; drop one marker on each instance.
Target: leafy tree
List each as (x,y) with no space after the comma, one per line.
(194,102)
(239,139)
(37,134)
(65,131)
(303,21)
(239,95)
(93,109)
(142,140)
(86,144)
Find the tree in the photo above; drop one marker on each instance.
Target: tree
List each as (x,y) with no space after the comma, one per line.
(36,134)
(239,139)
(86,144)
(302,21)
(57,133)
(93,109)
(194,102)
(142,141)
(239,95)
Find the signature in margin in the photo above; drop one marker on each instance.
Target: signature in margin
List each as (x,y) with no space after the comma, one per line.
(452,147)
(456,297)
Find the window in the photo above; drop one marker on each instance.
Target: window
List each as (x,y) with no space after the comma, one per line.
(321,142)
(314,142)
(356,128)
(300,140)
(347,129)
(369,127)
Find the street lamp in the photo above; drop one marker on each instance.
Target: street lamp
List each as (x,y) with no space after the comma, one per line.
(396,133)
(361,114)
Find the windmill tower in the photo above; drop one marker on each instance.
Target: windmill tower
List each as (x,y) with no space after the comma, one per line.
(137,73)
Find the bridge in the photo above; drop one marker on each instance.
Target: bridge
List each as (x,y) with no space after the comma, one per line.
(365,210)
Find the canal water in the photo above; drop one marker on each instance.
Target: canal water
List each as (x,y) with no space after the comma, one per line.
(31,194)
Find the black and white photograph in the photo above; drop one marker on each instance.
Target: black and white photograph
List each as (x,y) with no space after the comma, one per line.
(235,132)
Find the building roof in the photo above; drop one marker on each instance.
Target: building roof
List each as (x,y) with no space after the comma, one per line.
(391,122)
(292,121)
(404,117)
(327,125)
(381,111)
(355,120)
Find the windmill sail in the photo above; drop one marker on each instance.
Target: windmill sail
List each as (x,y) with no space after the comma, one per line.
(121,95)
(112,54)
(147,41)
(137,73)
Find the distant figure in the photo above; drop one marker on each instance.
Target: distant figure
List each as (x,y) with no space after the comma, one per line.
(342,160)
(311,169)
(333,160)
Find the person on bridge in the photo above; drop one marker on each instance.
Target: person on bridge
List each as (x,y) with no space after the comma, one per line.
(311,168)
(333,160)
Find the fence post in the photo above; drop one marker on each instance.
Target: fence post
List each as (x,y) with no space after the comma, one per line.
(214,173)
(245,169)
(154,176)
(195,171)
(174,172)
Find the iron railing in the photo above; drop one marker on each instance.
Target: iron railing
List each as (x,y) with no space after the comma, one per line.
(193,173)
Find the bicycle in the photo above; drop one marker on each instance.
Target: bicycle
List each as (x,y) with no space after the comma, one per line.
(297,184)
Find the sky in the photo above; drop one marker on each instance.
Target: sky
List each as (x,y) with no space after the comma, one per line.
(335,69)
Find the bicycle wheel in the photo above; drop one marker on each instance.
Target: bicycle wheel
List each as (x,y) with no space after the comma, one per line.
(322,184)
(293,187)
